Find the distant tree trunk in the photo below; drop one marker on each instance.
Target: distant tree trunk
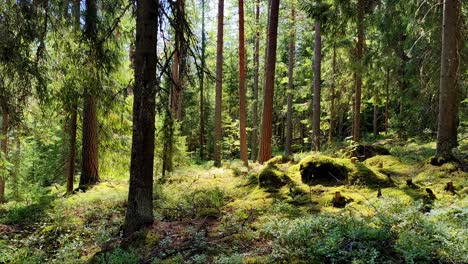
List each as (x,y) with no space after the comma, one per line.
(242,99)
(332,94)
(268,91)
(402,83)
(202,83)
(387,100)
(178,63)
(256,81)
(376,112)
(449,76)
(71,149)
(292,48)
(89,154)
(16,171)
(4,143)
(317,77)
(359,51)
(219,85)
(140,194)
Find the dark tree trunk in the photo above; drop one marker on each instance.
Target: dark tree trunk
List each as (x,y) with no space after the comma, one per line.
(140,195)
(89,155)
(268,91)
(376,112)
(387,100)
(242,99)
(359,51)
(449,76)
(4,143)
(219,85)
(256,81)
(317,76)
(292,48)
(202,83)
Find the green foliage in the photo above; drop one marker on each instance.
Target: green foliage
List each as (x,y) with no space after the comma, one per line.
(271,178)
(118,256)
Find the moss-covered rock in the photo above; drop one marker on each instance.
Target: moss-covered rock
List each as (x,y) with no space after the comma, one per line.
(278,160)
(364,151)
(272,179)
(389,165)
(316,169)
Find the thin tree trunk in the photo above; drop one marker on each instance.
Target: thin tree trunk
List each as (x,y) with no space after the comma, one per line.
(268,91)
(332,93)
(219,85)
(16,171)
(359,52)
(71,149)
(292,48)
(242,99)
(387,100)
(376,112)
(202,83)
(140,195)
(4,143)
(256,81)
(317,77)
(449,76)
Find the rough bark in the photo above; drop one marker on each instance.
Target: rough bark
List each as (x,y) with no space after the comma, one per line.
(292,48)
(242,99)
(449,76)
(219,84)
(255,126)
(178,63)
(268,91)
(140,195)
(4,143)
(358,79)
(317,88)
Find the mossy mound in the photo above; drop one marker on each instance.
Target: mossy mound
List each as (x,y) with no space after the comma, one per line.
(364,151)
(326,170)
(389,165)
(272,179)
(280,159)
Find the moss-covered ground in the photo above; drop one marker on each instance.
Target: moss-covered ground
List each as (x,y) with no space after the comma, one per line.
(232,214)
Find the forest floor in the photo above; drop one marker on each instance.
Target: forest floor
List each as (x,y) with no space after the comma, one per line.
(221,215)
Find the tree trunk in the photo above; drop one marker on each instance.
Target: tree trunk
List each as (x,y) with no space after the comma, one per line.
(140,194)
(4,143)
(359,51)
(219,85)
(178,64)
(268,91)
(71,149)
(332,94)
(292,48)
(449,76)
(17,162)
(376,112)
(202,83)
(89,153)
(316,103)
(387,100)
(256,81)
(242,99)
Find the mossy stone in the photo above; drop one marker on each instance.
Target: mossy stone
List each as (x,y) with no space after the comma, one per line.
(364,151)
(271,178)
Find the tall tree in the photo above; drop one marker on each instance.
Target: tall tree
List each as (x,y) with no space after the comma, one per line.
(219,85)
(202,83)
(449,77)
(358,74)
(332,96)
(89,153)
(140,194)
(4,145)
(292,48)
(255,126)
(317,80)
(242,103)
(178,63)
(268,90)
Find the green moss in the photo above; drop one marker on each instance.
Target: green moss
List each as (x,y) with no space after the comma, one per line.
(278,160)
(363,151)
(272,179)
(389,165)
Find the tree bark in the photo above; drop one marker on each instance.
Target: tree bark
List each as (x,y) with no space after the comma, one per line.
(387,100)
(178,64)
(202,83)
(219,85)
(4,143)
(268,91)
(140,195)
(317,77)
(292,48)
(376,112)
(242,99)
(359,51)
(449,76)
(254,146)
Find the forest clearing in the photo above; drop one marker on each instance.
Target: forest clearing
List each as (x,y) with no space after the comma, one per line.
(248,131)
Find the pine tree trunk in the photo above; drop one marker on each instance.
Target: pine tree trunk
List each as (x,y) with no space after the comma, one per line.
(242,99)
(449,76)
(332,95)
(268,91)
(359,51)
(317,77)
(292,48)
(219,85)
(376,112)
(72,149)
(202,83)
(140,194)
(4,143)
(387,100)
(255,126)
